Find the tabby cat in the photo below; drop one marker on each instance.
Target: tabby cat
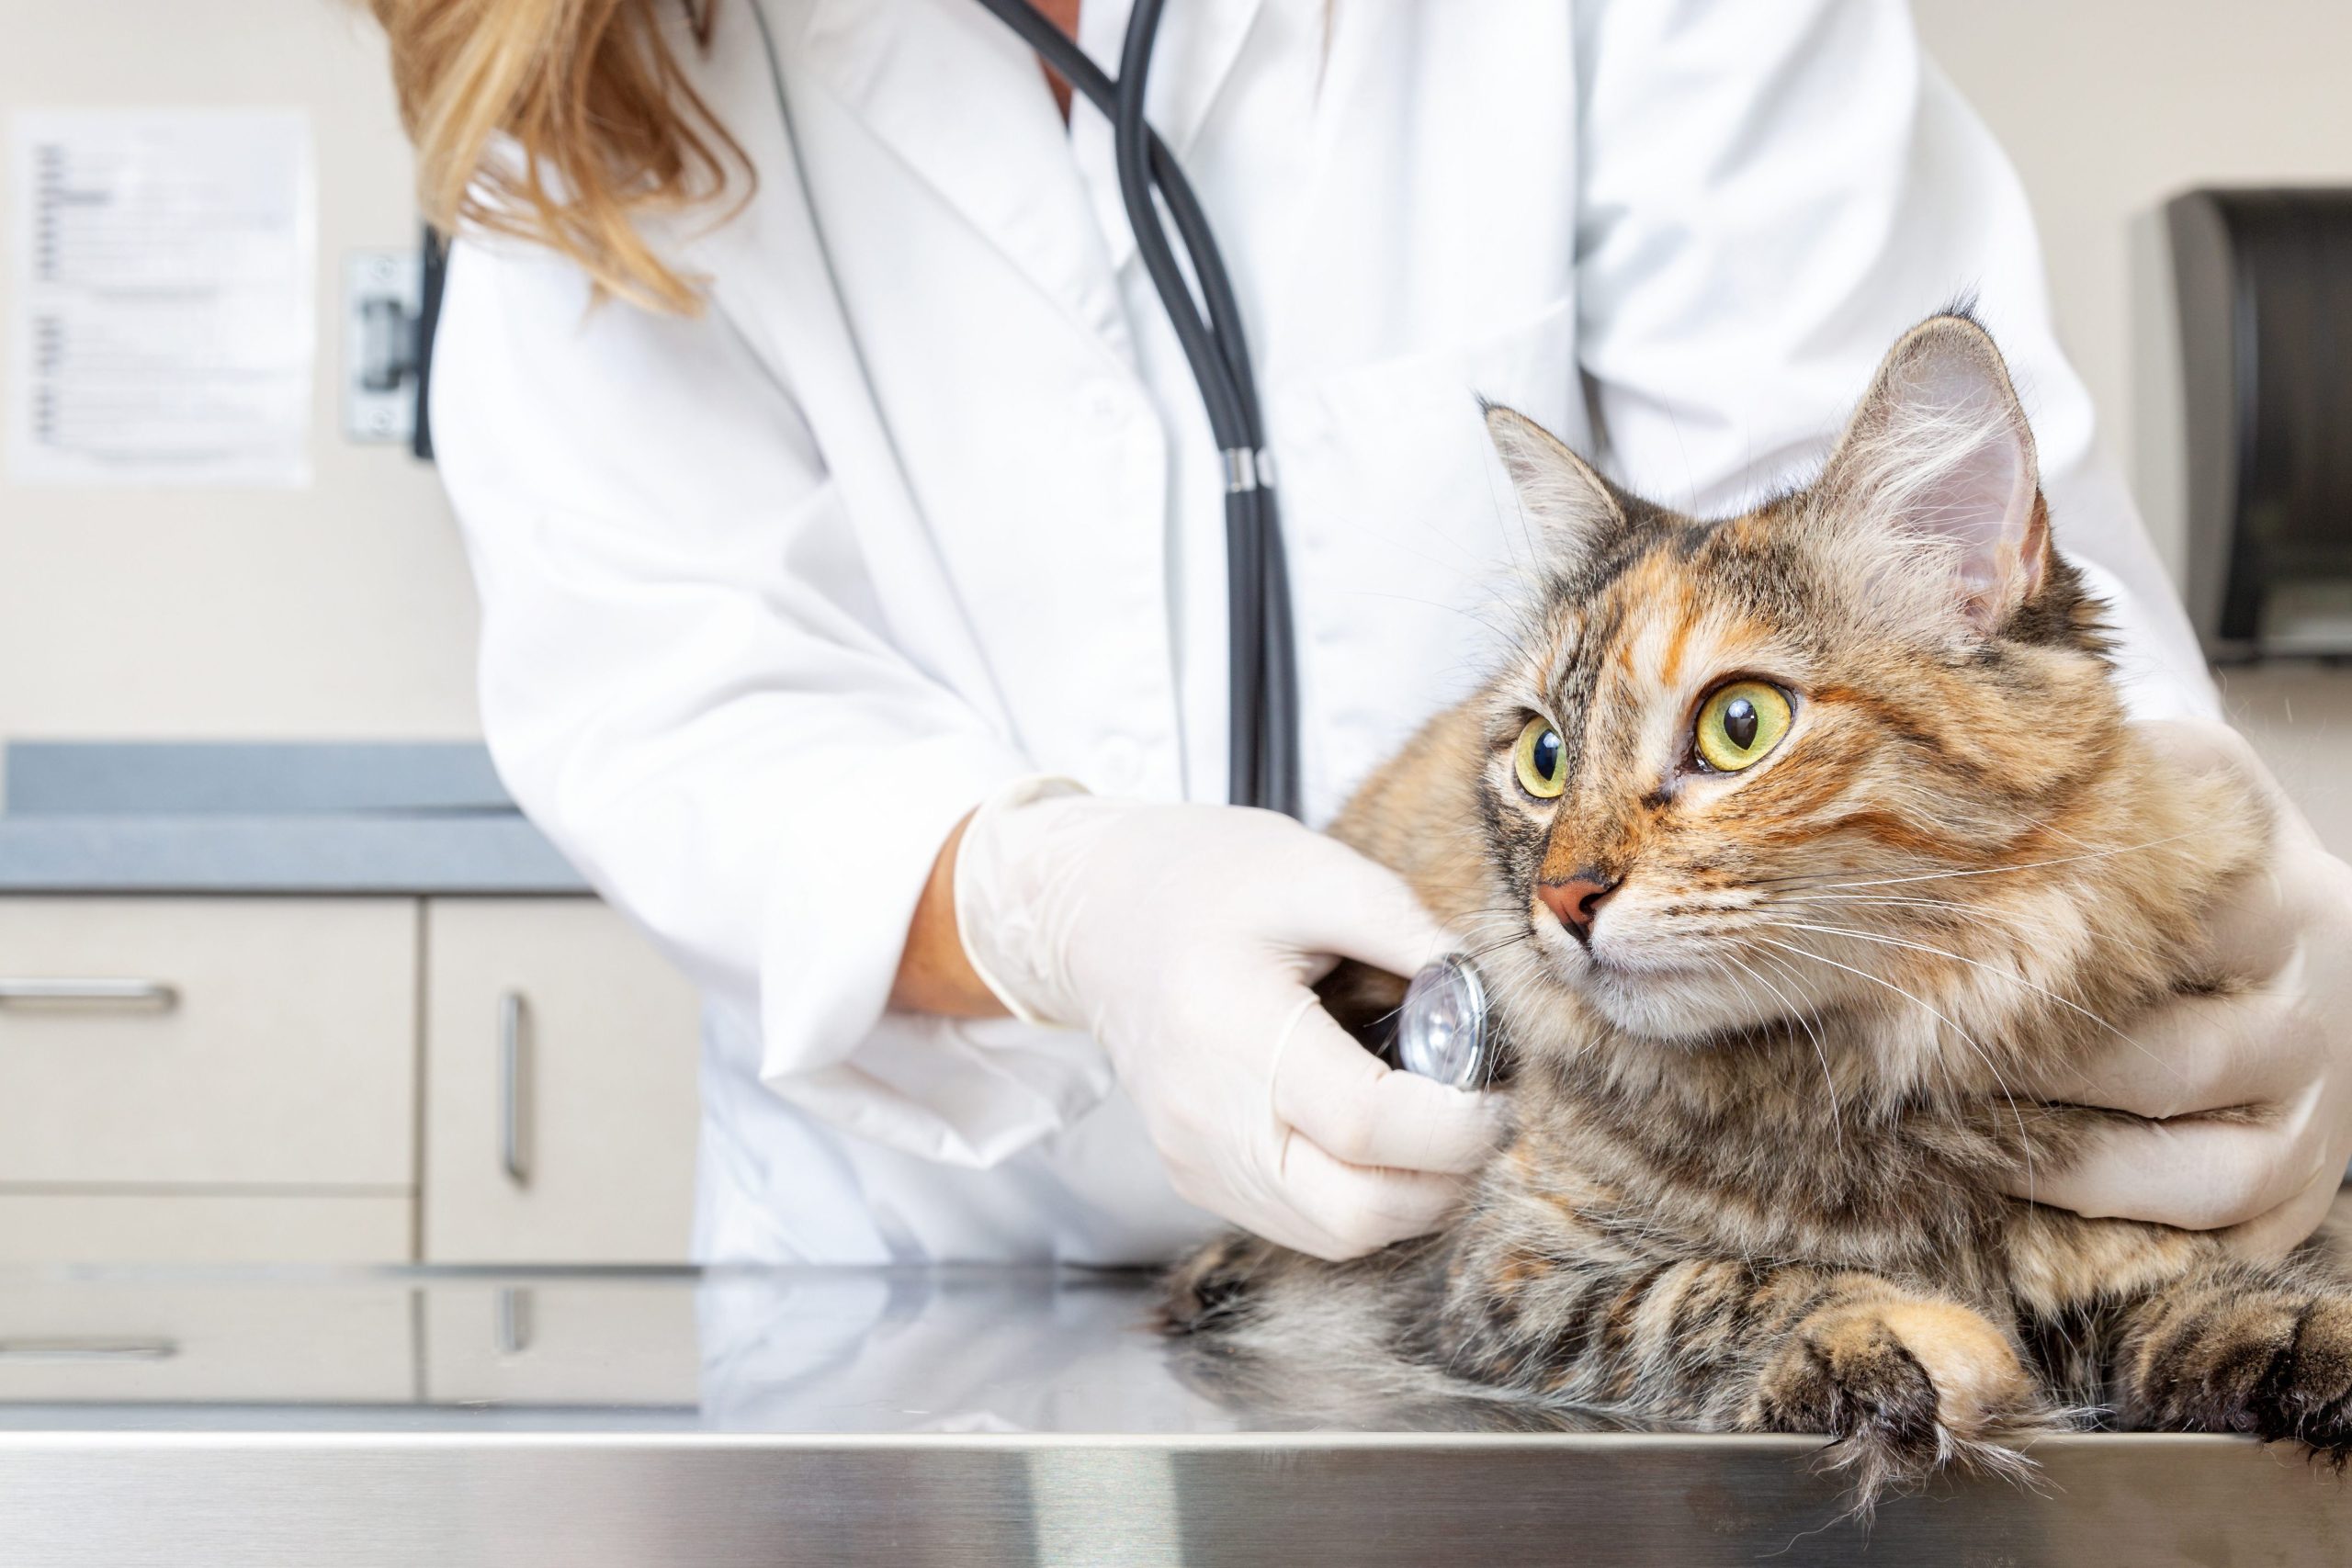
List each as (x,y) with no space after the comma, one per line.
(1787,843)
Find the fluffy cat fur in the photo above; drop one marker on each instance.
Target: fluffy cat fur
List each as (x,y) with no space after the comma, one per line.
(1765,1135)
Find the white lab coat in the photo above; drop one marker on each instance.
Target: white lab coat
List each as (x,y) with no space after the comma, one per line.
(924,501)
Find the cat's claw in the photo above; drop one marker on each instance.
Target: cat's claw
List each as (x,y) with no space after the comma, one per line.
(2275,1366)
(1905,1388)
(1211,1286)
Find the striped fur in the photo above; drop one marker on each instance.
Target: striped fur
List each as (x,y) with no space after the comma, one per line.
(1765,1122)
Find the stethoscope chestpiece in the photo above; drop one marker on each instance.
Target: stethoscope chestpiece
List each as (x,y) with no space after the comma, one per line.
(1445,1028)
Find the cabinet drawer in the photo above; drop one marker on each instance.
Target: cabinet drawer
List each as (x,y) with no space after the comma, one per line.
(157,1041)
(560,1063)
(562,1342)
(141,1340)
(208,1227)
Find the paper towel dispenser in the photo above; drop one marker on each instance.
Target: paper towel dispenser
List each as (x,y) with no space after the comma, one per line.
(2264,283)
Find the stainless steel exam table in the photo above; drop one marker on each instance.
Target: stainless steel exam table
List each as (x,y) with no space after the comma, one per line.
(585,1417)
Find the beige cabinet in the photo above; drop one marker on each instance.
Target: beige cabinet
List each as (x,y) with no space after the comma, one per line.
(218,1042)
(560,1087)
(237,1079)
(590,1342)
(141,1340)
(145,1225)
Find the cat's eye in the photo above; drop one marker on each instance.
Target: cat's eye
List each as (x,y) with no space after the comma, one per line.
(1739,724)
(1541,759)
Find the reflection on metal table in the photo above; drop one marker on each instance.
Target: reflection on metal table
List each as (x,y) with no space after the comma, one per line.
(918,1417)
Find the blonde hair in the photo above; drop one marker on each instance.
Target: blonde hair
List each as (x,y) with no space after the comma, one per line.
(593,94)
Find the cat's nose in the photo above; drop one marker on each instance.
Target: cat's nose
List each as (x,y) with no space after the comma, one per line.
(1576,901)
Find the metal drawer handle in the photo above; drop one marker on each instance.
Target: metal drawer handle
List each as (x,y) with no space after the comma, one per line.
(512,1328)
(78,1347)
(102,991)
(513,1071)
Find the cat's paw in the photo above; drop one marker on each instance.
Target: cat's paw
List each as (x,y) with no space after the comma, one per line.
(2275,1364)
(1906,1387)
(1211,1287)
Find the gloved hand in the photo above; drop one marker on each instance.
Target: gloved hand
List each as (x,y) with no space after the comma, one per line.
(1186,938)
(2281,1048)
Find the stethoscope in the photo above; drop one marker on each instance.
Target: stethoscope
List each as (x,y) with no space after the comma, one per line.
(1442,1030)
(1445,1028)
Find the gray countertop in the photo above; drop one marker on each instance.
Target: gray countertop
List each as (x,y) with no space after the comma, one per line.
(423,854)
(215,818)
(923,1416)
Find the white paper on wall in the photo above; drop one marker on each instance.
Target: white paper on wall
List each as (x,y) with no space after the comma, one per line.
(160,315)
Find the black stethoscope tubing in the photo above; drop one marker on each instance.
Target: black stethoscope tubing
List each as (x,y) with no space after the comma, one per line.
(1263,765)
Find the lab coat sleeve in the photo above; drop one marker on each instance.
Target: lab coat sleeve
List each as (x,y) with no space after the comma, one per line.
(687,683)
(1773,190)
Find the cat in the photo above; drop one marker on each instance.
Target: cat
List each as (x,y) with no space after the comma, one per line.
(1786,844)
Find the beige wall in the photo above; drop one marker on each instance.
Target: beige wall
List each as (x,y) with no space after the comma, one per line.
(339,610)
(2108,108)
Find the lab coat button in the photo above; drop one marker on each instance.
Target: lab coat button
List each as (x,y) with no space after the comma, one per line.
(1116,766)
(1103,403)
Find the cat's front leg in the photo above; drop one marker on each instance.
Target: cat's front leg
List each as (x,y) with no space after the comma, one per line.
(2242,1348)
(1905,1381)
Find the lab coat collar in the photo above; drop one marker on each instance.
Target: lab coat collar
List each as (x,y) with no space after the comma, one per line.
(951,93)
(922,75)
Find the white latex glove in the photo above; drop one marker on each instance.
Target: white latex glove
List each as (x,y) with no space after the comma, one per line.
(1186,938)
(2282,1048)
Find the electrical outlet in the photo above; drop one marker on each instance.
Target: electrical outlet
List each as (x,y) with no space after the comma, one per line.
(382,295)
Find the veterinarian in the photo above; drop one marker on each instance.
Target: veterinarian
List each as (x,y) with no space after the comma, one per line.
(875,493)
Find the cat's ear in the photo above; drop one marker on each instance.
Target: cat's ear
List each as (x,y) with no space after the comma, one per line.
(1940,460)
(1558,489)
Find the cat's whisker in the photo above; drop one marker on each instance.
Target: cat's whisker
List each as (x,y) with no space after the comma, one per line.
(1994,969)
(1975,914)
(2025,1139)
(1788,972)
(1972,910)
(1476,954)
(1797,879)
(1828,1081)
